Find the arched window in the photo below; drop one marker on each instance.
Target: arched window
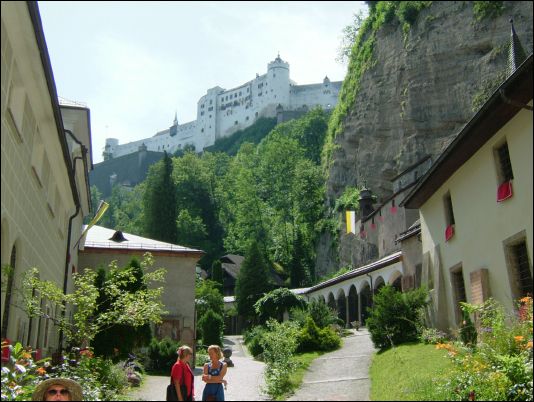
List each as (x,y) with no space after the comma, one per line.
(12,263)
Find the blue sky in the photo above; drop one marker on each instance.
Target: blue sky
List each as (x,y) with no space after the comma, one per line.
(137,63)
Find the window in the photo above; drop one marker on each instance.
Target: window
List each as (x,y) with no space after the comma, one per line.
(259,94)
(235,123)
(202,113)
(458,288)
(210,108)
(211,101)
(248,90)
(45,171)
(449,217)
(202,130)
(239,93)
(519,268)
(504,165)
(247,118)
(37,158)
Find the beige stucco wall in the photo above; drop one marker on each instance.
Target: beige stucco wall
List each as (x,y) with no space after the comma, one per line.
(179,288)
(36,198)
(481,223)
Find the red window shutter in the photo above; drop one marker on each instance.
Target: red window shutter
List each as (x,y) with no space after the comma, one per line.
(504,191)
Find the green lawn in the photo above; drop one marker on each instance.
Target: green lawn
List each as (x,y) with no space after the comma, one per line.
(303,360)
(405,373)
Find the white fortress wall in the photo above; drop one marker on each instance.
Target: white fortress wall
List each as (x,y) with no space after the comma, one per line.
(221,112)
(324,95)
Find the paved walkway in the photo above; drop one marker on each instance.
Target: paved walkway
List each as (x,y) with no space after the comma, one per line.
(244,379)
(342,375)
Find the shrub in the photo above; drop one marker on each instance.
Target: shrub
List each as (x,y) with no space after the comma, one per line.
(275,303)
(163,354)
(212,328)
(323,315)
(395,317)
(311,338)
(468,332)
(201,357)
(279,344)
(253,340)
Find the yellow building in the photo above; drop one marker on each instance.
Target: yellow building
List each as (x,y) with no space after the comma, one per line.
(45,159)
(475,206)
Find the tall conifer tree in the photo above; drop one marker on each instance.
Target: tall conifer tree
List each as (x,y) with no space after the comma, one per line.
(160,202)
(252,281)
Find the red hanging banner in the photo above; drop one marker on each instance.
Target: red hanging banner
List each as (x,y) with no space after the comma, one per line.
(449,232)
(393,207)
(504,191)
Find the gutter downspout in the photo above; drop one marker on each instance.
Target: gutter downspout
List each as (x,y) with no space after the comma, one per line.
(71,218)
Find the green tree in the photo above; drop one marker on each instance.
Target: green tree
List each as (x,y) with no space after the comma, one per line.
(191,231)
(160,202)
(252,281)
(217,273)
(276,302)
(136,308)
(125,338)
(299,272)
(212,325)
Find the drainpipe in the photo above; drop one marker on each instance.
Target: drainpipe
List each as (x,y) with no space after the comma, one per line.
(71,218)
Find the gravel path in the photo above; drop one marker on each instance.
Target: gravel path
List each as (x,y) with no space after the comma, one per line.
(342,375)
(244,379)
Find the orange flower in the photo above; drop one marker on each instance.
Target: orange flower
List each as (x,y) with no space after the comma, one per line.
(525,299)
(41,371)
(519,338)
(26,355)
(529,345)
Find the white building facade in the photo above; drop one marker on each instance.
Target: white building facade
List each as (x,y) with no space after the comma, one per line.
(221,112)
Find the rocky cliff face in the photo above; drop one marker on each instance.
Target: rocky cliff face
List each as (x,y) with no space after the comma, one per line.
(417,96)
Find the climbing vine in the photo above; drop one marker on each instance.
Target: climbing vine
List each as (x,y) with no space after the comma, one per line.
(361,59)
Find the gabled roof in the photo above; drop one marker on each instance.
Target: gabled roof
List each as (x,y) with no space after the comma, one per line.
(513,94)
(232,259)
(98,237)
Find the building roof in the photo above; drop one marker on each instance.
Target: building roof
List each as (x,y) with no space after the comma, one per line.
(299,291)
(231,269)
(384,262)
(232,259)
(501,107)
(98,237)
(231,263)
(411,231)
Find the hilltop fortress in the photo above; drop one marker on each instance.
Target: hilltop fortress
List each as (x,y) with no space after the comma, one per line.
(222,112)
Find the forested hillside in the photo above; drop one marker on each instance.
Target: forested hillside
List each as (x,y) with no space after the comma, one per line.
(272,192)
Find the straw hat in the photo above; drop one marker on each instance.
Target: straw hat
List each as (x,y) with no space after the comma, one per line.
(74,388)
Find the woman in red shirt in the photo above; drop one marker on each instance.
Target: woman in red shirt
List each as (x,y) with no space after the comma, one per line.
(182,375)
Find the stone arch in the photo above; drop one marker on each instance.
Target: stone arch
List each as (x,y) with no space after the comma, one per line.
(321,299)
(395,280)
(331,301)
(353,304)
(378,283)
(366,301)
(342,305)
